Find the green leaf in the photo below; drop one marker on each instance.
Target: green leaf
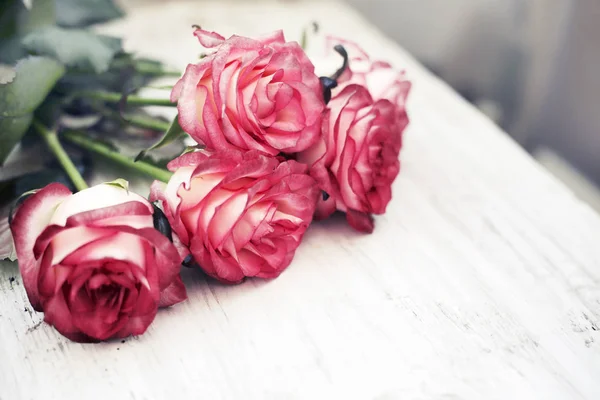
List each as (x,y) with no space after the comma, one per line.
(42,13)
(12,130)
(120,183)
(191,149)
(80,13)
(8,17)
(50,111)
(75,48)
(35,77)
(29,159)
(11,50)
(17,19)
(174,133)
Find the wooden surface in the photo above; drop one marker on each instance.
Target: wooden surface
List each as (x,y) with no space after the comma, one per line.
(481,281)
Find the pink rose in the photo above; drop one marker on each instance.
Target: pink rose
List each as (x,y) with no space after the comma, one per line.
(93,261)
(356,161)
(251,95)
(240,214)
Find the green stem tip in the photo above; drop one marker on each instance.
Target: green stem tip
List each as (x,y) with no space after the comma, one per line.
(51,139)
(85,142)
(140,121)
(132,100)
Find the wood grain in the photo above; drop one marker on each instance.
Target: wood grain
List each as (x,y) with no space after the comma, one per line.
(481,281)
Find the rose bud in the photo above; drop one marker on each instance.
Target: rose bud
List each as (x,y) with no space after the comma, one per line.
(93,262)
(356,162)
(240,214)
(251,94)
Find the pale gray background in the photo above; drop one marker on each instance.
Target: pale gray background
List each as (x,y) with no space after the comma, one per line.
(532,65)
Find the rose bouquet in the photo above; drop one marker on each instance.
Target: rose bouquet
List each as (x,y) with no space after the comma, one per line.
(271,145)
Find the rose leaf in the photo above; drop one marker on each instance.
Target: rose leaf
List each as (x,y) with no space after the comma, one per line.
(120,183)
(80,13)
(75,48)
(172,134)
(18,19)
(42,13)
(12,130)
(11,50)
(34,78)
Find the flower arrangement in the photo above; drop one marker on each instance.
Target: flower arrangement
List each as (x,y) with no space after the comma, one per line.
(274,147)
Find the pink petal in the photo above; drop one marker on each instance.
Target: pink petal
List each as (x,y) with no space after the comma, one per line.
(290,119)
(271,38)
(206,210)
(250,262)
(31,219)
(67,240)
(246,227)
(312,102)
(106,216)
(167,259)
(360,221)
(200,186)
(225,217)
(325,208)
(97,281)
(309,136)
(95,325)
(188,160)
(209,39)
(121,246)
(226,269)
(354,50)
(57,313)
(185,92)
(137,325)
(255,165)
(99,201)
(173,294)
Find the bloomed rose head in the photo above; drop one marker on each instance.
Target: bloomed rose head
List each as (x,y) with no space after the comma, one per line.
(357,160)
(93,262)
(241,215)
(251,94)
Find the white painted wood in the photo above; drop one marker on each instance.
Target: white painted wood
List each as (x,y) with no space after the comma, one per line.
(481,281)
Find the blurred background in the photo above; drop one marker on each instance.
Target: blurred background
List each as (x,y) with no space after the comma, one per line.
(533,66)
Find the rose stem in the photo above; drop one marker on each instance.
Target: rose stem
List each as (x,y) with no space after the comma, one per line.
(139,121)
(146,68)
(61,155)
(83,141)
(114,97)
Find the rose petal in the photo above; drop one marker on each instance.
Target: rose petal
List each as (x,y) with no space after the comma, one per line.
(173,294)
(32,217)
(136,214)
(225,217)
(101,197)
(360,221)
(209,39)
